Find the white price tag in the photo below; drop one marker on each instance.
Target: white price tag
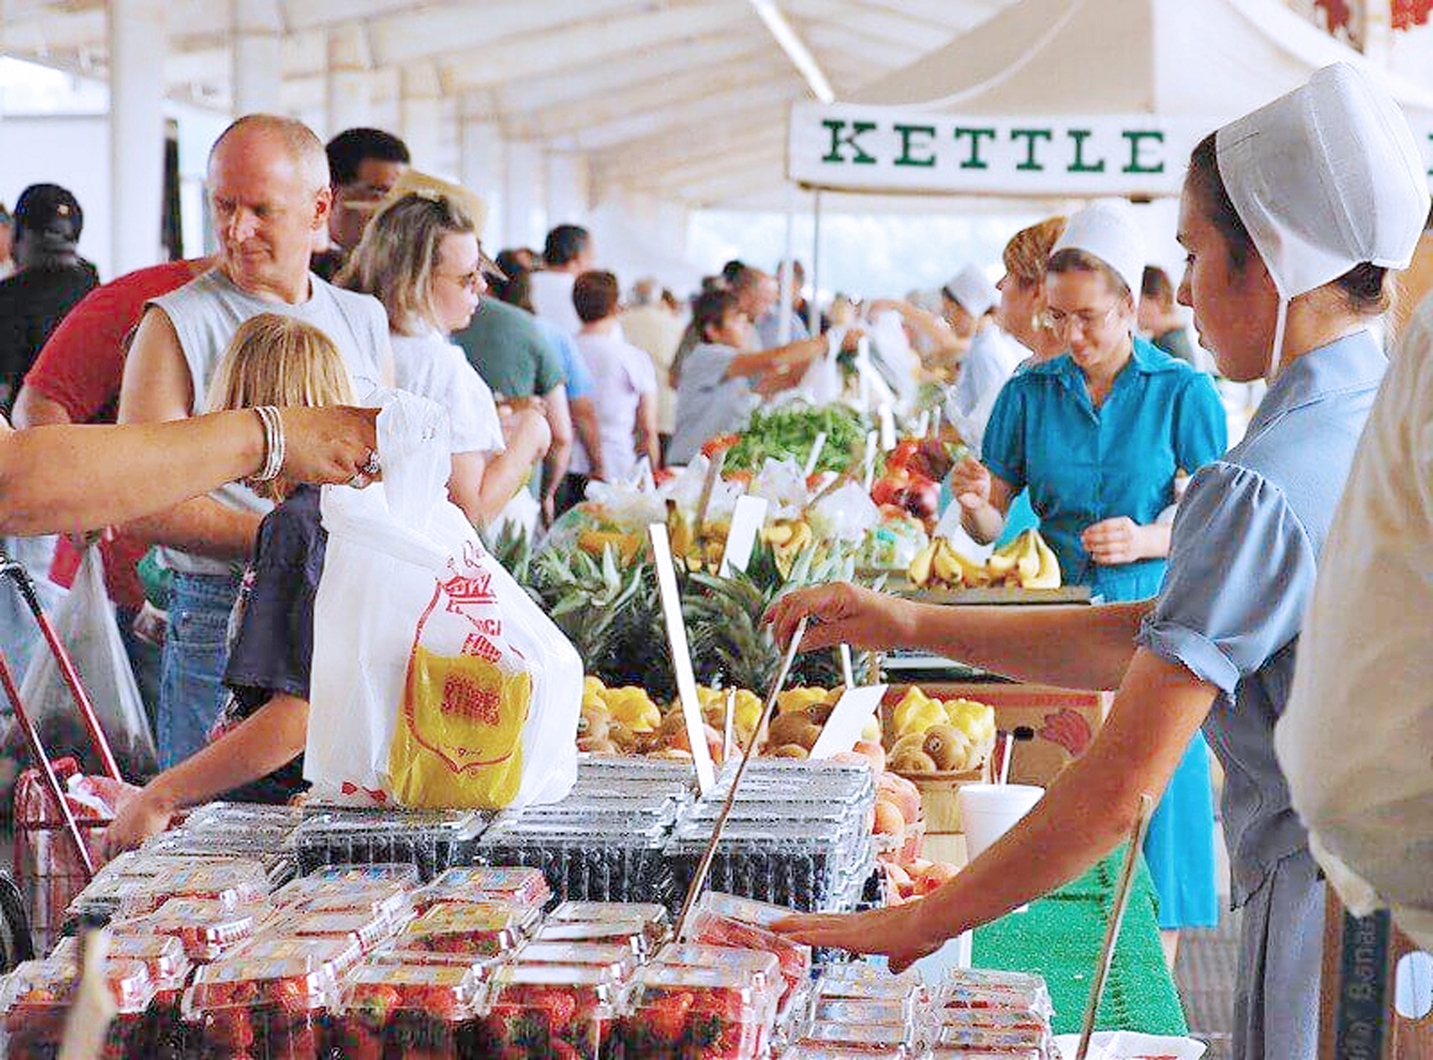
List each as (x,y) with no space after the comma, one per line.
(747,520)
(681,656)
(848,673)
(869,462)
(887,420)
(816,448)
(848,717)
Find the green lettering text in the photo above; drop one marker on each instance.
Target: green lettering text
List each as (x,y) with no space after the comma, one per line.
(1079,165)
(849,139)
(974,161)
(1031,138)
(906,158)
(1137,162)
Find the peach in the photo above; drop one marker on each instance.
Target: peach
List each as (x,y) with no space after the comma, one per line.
(873,751)
(938,874)
(889,820)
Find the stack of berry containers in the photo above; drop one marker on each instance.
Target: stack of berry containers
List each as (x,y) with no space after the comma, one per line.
(601,858)
(1007,1013)
(169,968)
(799,835)
(549,1012)
(229,882)
(134,873)
(207,928)
(35,1004)
(395,1011)
(480,884)
(364,928)
(618,960)
(478,931)
(337,955)
(727,920)
(872,1051)
(245,1008)
(312,895)
(430,840)
(861,1023)
(676,1013)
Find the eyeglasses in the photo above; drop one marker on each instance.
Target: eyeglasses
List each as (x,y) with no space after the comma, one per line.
(469,281)
(1061,322)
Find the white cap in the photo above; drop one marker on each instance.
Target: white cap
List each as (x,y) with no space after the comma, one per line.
(1325,178)
(972,289)
(1107,230)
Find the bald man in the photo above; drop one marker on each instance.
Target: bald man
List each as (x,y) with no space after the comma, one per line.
(269,194)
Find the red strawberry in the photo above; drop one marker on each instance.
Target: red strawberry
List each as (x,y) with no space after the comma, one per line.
(559,1006)
(665,1017)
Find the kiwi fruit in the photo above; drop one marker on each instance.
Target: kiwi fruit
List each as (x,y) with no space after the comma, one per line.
(947,747)
(914,741)
(818,713)
(792,729)
(913,762)
(791,750)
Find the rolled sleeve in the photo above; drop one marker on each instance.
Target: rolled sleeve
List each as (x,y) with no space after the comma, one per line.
(1241,572)
(1003,448)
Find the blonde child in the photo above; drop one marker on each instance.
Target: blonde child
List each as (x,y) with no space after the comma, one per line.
(256,747)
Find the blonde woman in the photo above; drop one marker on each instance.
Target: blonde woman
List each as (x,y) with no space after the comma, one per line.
(256,745)
(1022,289)
(420,257)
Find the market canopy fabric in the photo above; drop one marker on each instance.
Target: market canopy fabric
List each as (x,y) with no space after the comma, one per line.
(1069,97)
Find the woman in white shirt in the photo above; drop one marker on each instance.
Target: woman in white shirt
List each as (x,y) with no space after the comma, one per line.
(420,257)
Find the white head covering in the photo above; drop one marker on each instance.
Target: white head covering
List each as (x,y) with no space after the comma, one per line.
(1325,178)
(973,290)
(1107,230)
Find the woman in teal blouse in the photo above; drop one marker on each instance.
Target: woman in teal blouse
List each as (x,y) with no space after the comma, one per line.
(1098,436)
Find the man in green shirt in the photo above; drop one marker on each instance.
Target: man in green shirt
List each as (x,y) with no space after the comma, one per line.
(520,366)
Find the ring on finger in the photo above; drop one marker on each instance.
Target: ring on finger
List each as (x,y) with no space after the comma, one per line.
(371,466)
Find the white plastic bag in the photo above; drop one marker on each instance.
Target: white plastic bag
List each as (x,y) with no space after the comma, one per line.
(85,623)
(437,682)
(1128,1045)
(845,514)
(823,382)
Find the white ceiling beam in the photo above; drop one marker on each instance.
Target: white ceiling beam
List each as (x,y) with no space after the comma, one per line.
(850,41)
(762,157)
(323,14)
(612,38)
(426,32)
(662,94)
(53,31)
(577,83)
(657,121)
(790,42)
(959,15)
(916,34)
(762,123)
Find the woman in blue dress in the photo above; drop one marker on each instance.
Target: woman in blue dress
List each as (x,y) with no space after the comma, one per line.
(1294,218)
(1098,435)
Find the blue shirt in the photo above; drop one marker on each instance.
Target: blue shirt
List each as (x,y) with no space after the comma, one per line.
(1242,563)
(1084,465)
(579,379)
(271,650)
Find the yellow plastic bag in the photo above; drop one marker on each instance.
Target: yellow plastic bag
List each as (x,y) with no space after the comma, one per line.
(458,742)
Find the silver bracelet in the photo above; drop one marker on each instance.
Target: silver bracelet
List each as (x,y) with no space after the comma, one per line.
(273,444)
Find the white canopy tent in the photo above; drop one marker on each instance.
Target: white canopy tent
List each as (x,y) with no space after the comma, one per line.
(1069,97)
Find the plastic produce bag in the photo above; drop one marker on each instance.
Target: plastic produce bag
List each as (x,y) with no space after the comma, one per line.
(846,514)
(783,484)
(823,382)
(437,682)
(85,623)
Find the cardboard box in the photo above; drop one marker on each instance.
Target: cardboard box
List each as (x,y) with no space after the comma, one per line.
(1051,725)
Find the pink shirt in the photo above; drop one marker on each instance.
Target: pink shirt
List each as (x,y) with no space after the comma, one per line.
(621,375)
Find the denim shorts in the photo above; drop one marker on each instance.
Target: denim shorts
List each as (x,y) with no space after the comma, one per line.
(196,651)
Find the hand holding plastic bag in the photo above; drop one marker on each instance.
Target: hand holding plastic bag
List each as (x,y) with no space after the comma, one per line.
(437,682)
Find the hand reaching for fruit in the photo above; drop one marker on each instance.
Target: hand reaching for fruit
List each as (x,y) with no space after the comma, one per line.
(842,614)
(971,483)
(899,932)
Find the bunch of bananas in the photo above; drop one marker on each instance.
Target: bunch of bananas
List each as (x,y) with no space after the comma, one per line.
(1026,562)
